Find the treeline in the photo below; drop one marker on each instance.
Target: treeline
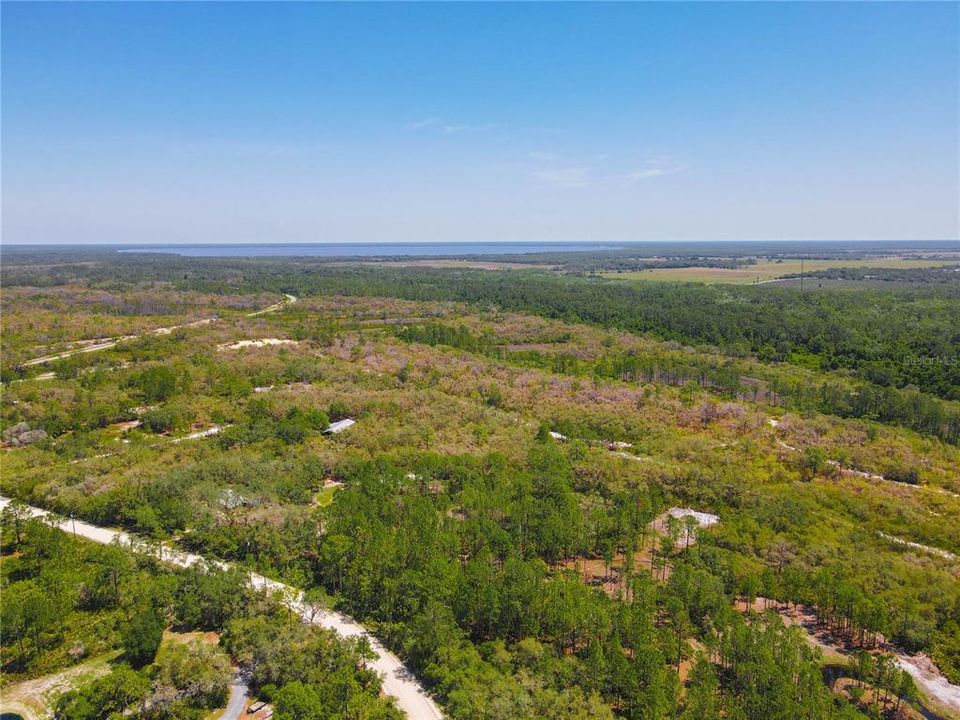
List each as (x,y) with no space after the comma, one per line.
(906,407)
(628,366)
(436,333)
(943,275)
(890,339)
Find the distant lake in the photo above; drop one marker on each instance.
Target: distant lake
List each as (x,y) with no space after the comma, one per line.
(369,249)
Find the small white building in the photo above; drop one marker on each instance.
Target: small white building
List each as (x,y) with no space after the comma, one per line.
(339,426)
(703,519)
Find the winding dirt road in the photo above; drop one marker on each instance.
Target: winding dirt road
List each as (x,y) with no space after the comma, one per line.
(287,300)
(398,682)
(107,343)
(111,342)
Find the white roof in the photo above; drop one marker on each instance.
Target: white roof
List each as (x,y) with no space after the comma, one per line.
(703,519)
(340,425)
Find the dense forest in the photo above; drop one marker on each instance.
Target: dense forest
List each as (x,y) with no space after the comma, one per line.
(946,275)
(143,634)
(501,515)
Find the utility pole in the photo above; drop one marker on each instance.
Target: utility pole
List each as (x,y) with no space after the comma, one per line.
(801,274)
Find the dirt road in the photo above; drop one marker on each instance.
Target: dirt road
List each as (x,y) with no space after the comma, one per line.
(107,343)
(287,300)
(398,682)
(111,342)
(944,696)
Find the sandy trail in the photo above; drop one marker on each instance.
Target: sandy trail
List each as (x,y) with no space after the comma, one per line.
(112,342)
(215,430)
(850,472)
(287,300)
(88,346)
(262,342)
(925,674)
(398,682)
(939,552)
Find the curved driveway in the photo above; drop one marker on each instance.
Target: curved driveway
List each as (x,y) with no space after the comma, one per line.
(238,699)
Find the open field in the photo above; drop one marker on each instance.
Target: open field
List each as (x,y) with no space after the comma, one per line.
(765,270)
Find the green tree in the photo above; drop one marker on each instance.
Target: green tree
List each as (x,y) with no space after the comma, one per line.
(157,383)
(141,638)
(106,697)
(297,701)
(702,696)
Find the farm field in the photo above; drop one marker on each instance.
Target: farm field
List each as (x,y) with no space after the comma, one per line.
(766,270)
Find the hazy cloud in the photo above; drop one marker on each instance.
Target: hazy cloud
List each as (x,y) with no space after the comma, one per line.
(656,168)
(425,123)
(555,171)
(442,125)
(565,177)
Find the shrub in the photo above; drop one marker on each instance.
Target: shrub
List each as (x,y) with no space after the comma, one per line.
(141,638)
(156,384)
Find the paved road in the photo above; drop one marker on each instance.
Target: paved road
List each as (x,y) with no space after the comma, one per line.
(239,691)
(398,682)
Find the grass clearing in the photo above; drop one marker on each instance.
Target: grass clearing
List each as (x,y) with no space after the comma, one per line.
(325,497)
(34,699)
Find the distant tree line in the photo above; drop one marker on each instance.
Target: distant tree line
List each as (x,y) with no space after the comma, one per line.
(835,396)
(942,275)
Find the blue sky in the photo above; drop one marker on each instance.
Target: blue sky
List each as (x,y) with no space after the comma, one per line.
(193,122)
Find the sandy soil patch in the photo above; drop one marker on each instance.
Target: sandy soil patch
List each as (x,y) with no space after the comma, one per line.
(216,429)
(262,342)
(687,536)
(34,699)
(944,696)
(917,546)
